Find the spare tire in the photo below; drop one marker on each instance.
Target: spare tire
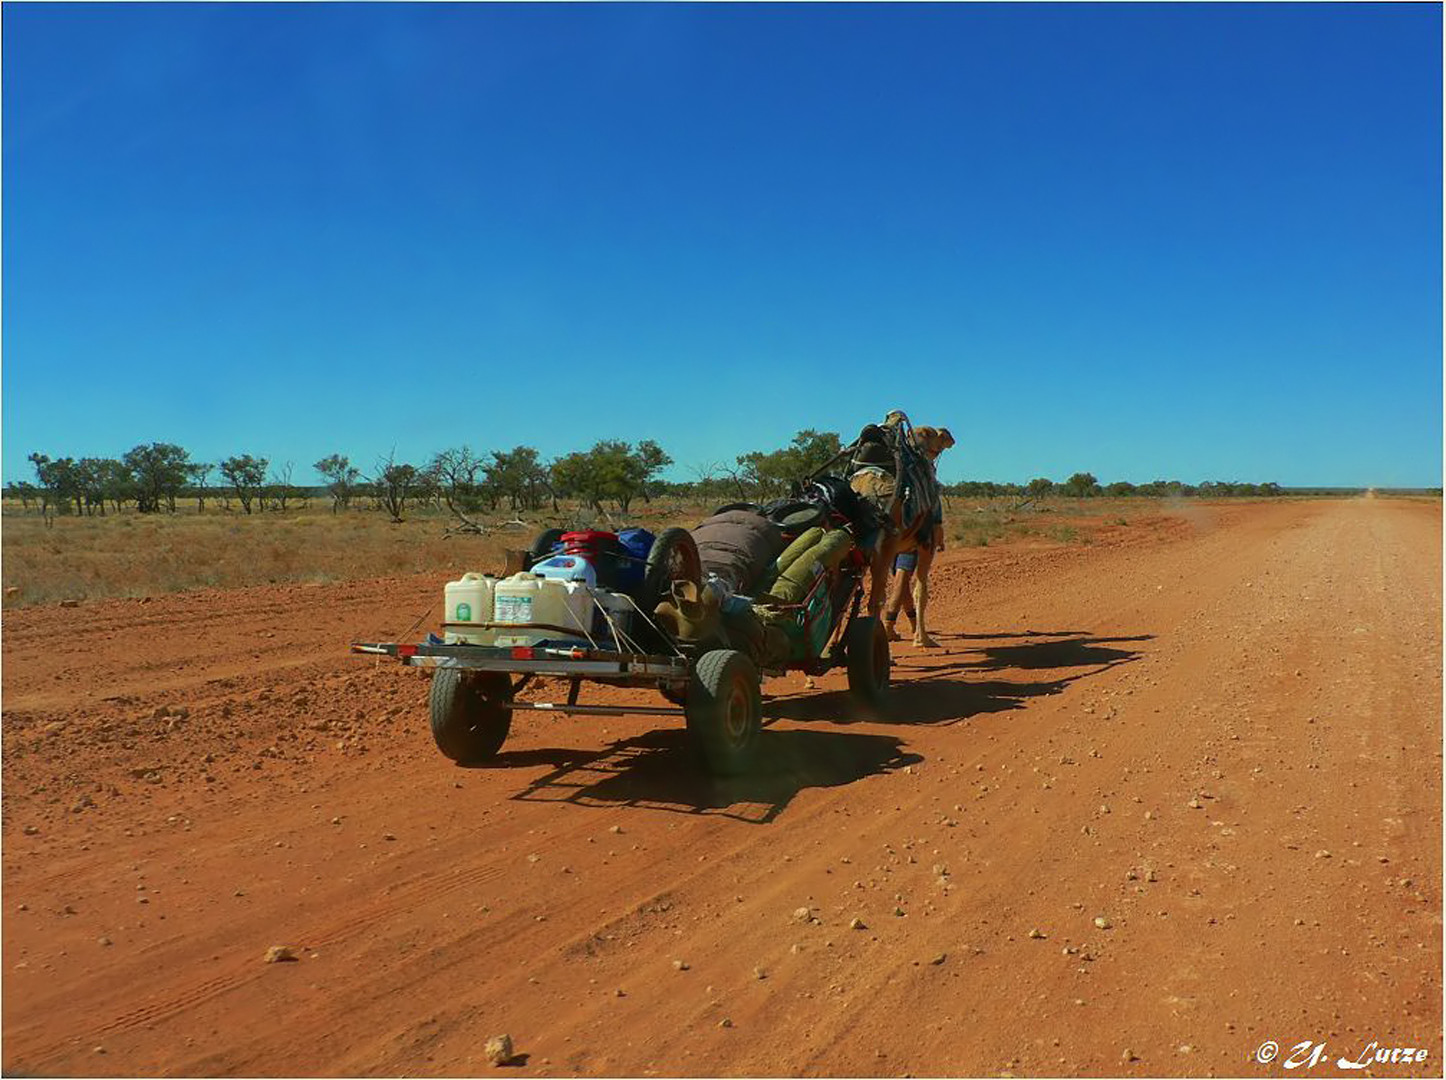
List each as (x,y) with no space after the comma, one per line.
(674,557)
(542,547)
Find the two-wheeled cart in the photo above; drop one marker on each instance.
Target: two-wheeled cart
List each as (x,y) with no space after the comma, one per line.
(716,690)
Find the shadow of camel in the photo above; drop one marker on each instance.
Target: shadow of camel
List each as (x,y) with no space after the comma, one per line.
(928,695)
(1071,652)
(659,771)
(959,635)
(1041,655)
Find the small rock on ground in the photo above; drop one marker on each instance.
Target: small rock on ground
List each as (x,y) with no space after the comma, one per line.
(499,1049)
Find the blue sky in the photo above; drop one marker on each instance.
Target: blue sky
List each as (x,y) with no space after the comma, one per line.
(1187,241)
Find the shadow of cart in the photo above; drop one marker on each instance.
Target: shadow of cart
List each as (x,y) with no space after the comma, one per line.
(658,771)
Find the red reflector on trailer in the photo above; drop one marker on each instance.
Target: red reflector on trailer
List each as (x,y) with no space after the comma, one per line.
(521,652)
(406,650)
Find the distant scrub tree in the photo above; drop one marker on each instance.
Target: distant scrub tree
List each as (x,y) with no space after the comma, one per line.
(279,488)
(982,489)
(1081,485)
(247,477)
(23,490)
(1039,487)
(91,476)
(519,476)
(159,472)
(394,483)
(610,470)
(59,484)
(453,475)
(198,473)
(714,481)
(769,474)
(341,479)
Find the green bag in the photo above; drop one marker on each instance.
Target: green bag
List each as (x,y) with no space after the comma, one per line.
(804,541)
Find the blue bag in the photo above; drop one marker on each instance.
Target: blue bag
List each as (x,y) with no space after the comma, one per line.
(636,544)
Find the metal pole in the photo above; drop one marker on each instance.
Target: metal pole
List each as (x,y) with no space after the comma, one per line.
(591,710)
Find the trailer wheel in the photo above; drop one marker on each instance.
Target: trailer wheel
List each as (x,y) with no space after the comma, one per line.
(469,723)
(674,557)
(725,711)
(866,646)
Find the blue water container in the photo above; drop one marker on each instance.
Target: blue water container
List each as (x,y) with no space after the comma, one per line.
(567,568)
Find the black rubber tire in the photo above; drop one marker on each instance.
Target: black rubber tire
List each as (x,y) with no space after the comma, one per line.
(674,557)
(725,711)
(866,646)
(542,546)
(726,507)
(468,724)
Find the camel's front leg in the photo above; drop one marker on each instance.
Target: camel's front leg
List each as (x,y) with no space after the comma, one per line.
(921,600)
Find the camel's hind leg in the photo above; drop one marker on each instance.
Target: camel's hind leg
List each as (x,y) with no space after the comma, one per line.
(901,600)
(879,577)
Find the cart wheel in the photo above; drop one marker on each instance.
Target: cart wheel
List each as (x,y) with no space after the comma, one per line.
(725,711)
(866,646)
(468,724)
(674,557)
(542,547)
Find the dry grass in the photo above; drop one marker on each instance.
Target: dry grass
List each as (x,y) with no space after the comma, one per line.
(131,554)
(1054,520)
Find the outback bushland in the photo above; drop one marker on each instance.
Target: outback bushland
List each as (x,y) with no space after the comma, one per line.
(152,521)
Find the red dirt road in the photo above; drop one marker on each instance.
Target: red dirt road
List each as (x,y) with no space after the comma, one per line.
(1219,736)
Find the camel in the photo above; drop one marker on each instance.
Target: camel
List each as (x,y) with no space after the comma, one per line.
(921,535)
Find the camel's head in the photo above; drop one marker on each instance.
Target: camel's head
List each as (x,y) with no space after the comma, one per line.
(933,440)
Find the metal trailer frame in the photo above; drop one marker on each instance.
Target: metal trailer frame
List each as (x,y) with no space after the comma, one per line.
(549,660)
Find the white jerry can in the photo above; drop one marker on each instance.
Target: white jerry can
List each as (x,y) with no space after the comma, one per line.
(514,601)
(469,600)
(567,604)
